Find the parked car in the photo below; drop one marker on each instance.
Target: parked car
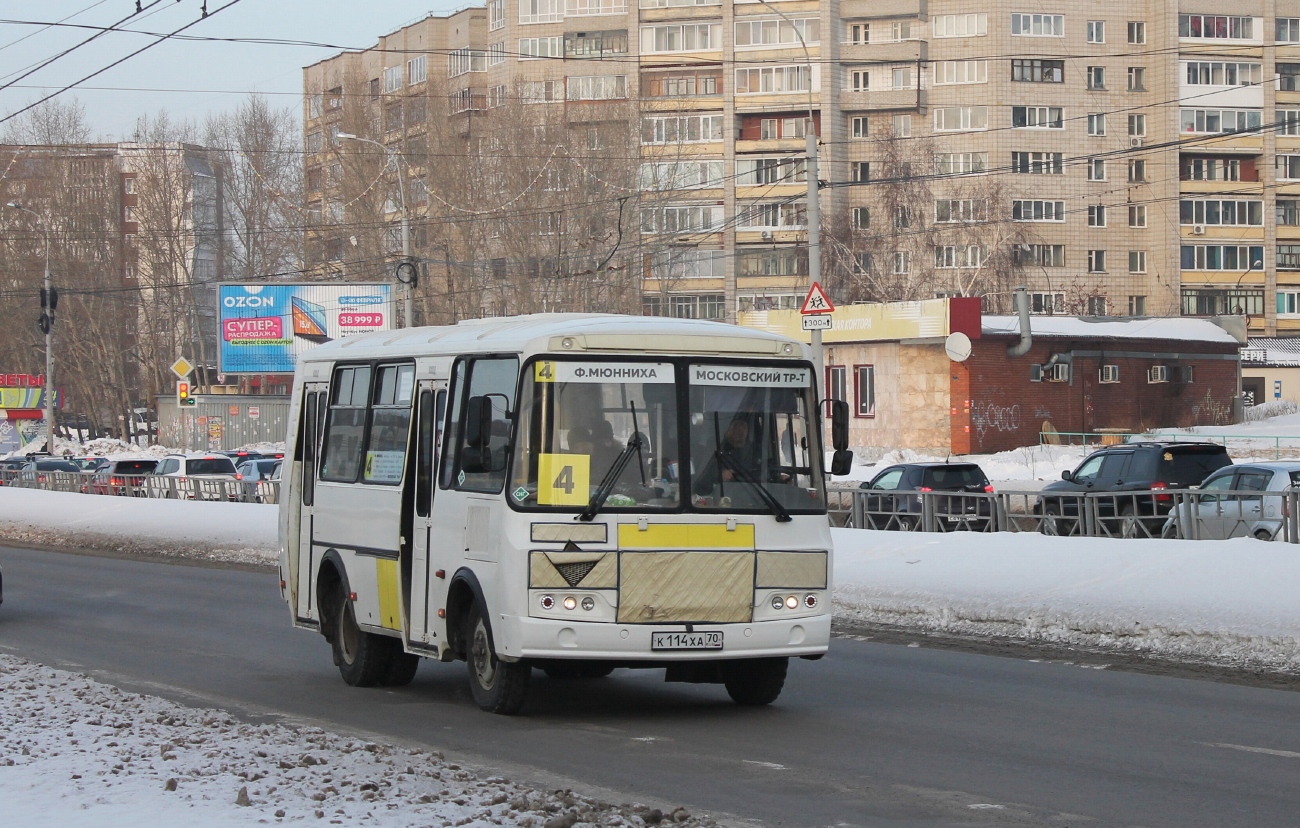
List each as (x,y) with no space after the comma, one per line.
(10,469)
(1224,509)
(205,469)
(893,502)
(121,477)
(256,470)
(1128,468)
(35,472)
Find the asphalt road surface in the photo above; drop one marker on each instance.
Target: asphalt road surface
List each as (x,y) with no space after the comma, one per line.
(873,735)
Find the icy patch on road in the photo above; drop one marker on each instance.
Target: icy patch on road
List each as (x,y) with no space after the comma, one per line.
(76,752)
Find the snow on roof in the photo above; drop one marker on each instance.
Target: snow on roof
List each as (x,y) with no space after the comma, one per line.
(1180,328)
(1276,351)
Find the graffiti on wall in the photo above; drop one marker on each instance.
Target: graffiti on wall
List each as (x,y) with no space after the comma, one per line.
(988,416)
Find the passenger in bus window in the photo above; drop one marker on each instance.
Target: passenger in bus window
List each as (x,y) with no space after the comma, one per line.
(739,450)
(605,449)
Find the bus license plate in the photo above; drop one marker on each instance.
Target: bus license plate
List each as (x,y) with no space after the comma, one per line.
(686,641)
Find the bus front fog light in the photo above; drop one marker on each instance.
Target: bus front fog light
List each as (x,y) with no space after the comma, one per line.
(547,602)
(589,603)
(777,602)
(792,602)
(810,601)
(570,602)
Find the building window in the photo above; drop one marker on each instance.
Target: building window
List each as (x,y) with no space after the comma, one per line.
(1215,121)
(1288,121)
(1225,256)
(685,175)
(1096,169)
(772,216)
(315,104)
(1096,261)
(961,163)
(1048,303)
(1038,211)
(678,263)
(1212,169)
(1137,171)
(1037,117)
(392,79)
(1217,302)
(1096,77)
(597,88)
(1288,77)
(948,256)
(579,8)
(1216,27)
(681,129)
(1288,257)
(1137,305)
(1137,125)
(782,261)
(1288,30)
(685,37)
(859,80)
(1096,31)
(681,219)
(1223,212)
(1287,304)
(861,171)
(1038,25)
(1137,215)
(902,262)
(1097,124)
(902,126)
(778,32)
(959,25)
(1096,305)
(1039,255)
(859,34)
(1038,163)
(861,218)
(1218,73)
(1037,71)
(960,118)
(960,211)
(900,30)
(901,78)
(540,11)
(417,70)
(1137,79)
(774,79)
(947,72)
(1137,263)
(755,172)
(902,217)
(595,45)
(1097,215)
(1288,212)
(858,126)
(866,390)
(1137,32)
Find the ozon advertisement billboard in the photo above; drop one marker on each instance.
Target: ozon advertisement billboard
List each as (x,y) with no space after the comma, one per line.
(265,327)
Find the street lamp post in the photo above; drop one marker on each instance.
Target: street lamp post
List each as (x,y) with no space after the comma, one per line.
(49,299)
(406,222)
(1255,265)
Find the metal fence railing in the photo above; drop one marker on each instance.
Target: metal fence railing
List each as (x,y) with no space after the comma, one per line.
(147,485)
(1156,513)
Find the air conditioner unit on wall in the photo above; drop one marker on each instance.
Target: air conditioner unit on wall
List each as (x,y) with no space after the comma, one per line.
(1198,229)
(1158,373)
(1060,372)
(1110,373)
(1135,142)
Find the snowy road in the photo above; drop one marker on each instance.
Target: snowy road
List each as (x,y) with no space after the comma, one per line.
(873,735)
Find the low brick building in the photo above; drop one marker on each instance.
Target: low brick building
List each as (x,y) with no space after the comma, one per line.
(1093,375)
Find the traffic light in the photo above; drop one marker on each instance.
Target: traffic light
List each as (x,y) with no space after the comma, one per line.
(183,394)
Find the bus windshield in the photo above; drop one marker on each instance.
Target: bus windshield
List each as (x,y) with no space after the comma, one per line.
(576,421)
(748,445)
(751,445)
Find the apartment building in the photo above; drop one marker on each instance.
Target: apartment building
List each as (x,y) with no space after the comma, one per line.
(1120,159)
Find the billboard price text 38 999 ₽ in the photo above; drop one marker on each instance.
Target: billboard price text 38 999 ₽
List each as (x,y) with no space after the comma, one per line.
(265,327)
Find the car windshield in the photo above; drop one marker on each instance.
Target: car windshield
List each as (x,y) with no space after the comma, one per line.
(210,465)
(576,420)
(955,477)
(752,445)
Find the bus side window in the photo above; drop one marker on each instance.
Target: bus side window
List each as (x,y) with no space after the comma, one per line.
(425,444)
(481,467)
(345,425)
(448,476)
(307,449)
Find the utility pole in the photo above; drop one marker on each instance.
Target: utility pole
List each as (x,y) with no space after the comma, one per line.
(49,301)
(406,271)
(814,241)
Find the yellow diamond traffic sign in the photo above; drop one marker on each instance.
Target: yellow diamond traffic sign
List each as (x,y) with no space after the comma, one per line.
(182,368)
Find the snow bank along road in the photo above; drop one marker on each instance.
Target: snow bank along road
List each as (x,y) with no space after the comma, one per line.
(873,735)
(1229,603)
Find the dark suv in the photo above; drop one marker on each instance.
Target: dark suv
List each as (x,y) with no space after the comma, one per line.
(893,503)
(1131,467)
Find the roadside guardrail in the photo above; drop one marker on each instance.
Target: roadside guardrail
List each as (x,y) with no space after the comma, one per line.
(147,485)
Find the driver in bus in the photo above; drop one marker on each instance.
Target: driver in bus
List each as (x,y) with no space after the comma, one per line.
(736,447)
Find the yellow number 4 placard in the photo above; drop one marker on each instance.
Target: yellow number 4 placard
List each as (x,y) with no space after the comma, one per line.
(563,479)
(544,371)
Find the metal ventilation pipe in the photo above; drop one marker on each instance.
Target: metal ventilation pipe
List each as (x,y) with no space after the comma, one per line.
(1021,300)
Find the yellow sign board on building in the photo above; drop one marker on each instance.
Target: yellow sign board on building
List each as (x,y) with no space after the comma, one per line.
(861,323)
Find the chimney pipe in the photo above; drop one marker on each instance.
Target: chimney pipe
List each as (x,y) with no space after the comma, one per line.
(1021,301)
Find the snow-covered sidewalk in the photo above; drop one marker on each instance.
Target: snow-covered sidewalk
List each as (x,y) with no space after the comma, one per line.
(76,753)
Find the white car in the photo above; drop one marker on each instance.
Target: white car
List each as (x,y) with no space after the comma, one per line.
(1227,505)
(196,476)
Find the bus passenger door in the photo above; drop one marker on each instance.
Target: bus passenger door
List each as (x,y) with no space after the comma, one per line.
(314,403)
(424,588)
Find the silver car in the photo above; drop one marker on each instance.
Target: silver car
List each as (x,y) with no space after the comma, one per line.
(1225,506)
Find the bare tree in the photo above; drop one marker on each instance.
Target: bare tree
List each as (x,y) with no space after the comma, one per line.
(57,121)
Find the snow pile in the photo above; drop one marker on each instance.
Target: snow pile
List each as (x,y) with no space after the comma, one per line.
(80,753)
(1224,602)
(208,530)
(1016,468)
(1270,409)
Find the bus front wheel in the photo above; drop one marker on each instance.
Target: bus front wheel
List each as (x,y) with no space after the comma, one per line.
(755,681)
(498,686)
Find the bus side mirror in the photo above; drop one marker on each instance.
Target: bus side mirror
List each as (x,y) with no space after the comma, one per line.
(478,435)
(842,460)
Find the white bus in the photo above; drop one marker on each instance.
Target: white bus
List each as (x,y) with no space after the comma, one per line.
(573,493)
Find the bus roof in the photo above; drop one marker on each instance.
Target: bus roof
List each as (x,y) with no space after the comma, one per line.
(542,332)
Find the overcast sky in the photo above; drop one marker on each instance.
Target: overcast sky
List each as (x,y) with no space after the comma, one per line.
(211,76)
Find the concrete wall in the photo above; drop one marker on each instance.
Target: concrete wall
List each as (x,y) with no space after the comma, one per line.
(912,396)
(1290,378)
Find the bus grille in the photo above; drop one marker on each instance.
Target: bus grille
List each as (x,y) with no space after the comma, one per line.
(686,587)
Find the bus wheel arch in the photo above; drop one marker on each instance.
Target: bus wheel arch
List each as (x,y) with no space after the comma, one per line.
(462,594)
(331,583)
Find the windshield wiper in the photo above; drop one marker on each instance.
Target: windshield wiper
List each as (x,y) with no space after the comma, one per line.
(782,516)
(607,482)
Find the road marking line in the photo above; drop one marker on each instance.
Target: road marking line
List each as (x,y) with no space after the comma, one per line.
(1286,754)
(986,806)
(768,765)
(645,738)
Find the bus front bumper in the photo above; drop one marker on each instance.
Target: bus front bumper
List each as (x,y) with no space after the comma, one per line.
(519,637)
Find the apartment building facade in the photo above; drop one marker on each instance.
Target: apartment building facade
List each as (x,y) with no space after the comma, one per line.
(1126,159)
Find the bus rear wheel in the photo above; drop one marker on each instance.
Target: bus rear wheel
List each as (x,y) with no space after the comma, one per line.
(364,658)
(498,686)
(755,681)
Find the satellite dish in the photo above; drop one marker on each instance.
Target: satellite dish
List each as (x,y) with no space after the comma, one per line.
(957,345)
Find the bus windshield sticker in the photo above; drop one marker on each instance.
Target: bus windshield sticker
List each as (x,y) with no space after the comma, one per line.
(384,466)
(752,377)
(563,479)
(521,494)
(566,371)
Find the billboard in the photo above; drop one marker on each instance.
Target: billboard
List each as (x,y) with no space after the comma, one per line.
(265,327)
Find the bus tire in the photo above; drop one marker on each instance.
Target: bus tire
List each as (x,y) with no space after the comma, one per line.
(401,667)
(755,681)
(363,657)
(498,686)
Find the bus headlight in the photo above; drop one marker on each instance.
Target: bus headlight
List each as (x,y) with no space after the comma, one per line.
(777,603)
(570,602)
(792,602)
(588,603)
(547,602)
